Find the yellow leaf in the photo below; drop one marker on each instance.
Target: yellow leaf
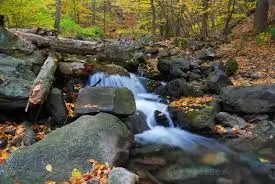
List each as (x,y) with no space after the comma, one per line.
(50,182)
(76,173)
(265,161)
(49,168)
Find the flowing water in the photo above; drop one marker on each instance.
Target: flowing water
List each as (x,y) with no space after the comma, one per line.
(148,103)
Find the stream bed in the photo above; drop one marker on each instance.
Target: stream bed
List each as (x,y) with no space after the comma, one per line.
(173,155)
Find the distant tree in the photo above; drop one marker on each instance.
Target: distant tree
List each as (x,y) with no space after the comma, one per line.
(204,26)
(261,15)
(153,9)
(57,15)
(93,12)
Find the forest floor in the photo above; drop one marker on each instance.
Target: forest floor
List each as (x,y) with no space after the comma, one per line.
(256,59)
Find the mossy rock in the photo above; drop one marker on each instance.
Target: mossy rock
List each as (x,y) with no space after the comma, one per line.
(231,67)
(203,118)
(109,69)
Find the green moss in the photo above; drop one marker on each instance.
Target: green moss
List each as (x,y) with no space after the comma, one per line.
(231,67)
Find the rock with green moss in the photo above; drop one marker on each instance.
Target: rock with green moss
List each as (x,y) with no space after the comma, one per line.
(231,67)
(102,137)
(203,118)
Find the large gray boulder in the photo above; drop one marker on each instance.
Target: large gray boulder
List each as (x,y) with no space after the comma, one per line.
(19,64)
(119,101)
(258,99)
(102,137)
(120,175)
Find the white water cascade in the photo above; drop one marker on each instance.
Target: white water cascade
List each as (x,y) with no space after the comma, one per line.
(148,103)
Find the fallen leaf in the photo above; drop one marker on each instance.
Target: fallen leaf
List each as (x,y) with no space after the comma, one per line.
(49,168)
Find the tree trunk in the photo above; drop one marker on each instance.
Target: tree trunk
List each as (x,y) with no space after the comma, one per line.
(57,15)
(93,12)
(204,27)
(261,16)
(153,17)
(2,21)
(43,82)
(63,45)
(230,13)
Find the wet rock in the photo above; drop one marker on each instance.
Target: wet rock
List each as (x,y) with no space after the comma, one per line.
(29,134)
(230,120)
(258,99)
(92,100)
(161,119)
(150,85)
(262,134)
(109,69)
(179,174)
(137,122)
(218,80)
(3,142)
(120,175)
(56,107)
(206,54)
(102,137)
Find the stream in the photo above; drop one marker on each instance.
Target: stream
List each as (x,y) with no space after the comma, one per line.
(193,146)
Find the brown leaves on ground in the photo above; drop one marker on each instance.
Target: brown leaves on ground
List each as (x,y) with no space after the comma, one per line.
(70,108)
(12,132)
(191,103)
(256,61)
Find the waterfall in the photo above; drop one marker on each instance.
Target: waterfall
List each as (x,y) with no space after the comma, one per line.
(148,103)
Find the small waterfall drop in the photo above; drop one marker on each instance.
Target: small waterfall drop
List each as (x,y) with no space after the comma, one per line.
(148,103)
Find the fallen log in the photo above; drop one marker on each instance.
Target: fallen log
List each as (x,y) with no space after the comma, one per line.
(63,45)
(43,82)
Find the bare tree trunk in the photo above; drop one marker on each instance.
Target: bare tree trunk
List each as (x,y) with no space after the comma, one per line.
(93,12)
(63,45)
(230,13)
(204,27)
(57,15)
(261,16)
(2,21)
(153,17)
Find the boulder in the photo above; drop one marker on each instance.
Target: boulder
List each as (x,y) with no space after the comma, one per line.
(230,120)
(137,123)
(102,137)
(179,87)
(206,54)
(119,101)
(74,68)
(174,67)
(120,175)
(19,64)
(217,80)
(16,78)
(56,106)
(254,100)
(202,118)
(161,119)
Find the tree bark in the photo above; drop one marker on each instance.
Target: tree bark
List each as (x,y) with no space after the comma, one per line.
(63,45)
(261,16)
(204,27)
(153,17)
(93,12)
(57,15)
(43,82)
(230,13)
(2,21)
